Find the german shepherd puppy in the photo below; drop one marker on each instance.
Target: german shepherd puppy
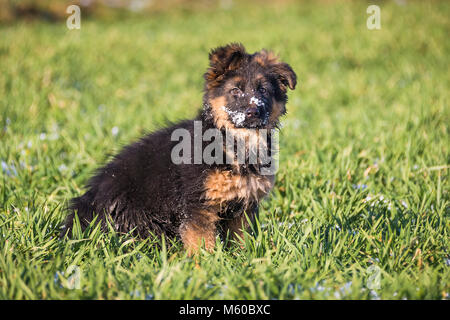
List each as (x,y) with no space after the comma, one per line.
(145,189)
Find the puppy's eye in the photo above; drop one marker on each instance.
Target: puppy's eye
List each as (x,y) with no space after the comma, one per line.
(262,90)
(235,91)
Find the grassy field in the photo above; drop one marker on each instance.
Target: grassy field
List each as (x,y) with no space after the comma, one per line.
(360,209)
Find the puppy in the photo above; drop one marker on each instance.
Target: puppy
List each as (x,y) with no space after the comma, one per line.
(168,183)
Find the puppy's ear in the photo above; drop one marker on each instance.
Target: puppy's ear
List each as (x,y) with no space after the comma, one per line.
(279,70)
(284,73)
(223,59)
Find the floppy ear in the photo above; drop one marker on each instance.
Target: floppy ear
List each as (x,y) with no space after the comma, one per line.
(284,73)
(223,59)
(279,70)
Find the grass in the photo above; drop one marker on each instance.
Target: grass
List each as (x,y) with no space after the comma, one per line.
(361,193)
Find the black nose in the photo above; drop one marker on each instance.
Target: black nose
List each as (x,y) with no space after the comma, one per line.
(252,112)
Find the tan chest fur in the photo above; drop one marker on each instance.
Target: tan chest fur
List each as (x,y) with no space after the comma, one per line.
(223,186)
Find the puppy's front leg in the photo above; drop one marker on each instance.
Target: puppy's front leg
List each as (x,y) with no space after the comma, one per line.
(199,229)
(238,225)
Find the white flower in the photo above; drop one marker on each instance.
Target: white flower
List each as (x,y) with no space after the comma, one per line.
(115,131)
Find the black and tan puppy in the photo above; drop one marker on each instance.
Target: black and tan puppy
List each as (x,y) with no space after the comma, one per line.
(146,191)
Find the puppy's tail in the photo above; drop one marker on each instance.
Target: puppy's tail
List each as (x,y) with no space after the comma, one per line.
(81,208)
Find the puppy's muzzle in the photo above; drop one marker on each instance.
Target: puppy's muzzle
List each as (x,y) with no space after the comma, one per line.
(252,112)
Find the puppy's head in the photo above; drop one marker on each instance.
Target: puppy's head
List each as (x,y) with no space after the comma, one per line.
(246,90)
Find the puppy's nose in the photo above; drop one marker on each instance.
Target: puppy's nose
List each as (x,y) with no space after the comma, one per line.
(252,112)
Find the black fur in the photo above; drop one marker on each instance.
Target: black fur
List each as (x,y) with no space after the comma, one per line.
(142,190)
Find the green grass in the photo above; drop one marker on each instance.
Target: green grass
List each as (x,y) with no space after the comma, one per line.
(364,164)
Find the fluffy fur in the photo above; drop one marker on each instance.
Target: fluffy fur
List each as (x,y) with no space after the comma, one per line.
(143,191)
